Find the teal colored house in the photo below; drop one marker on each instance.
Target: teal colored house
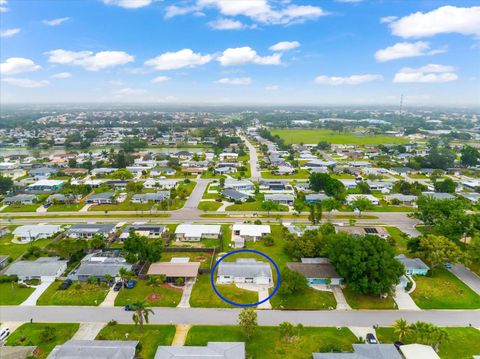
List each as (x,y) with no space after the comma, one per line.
(317,271)
(413,266)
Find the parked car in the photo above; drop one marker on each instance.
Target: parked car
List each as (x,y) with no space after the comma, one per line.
(117,286)
(47,204)
(130,308)
(448,265)
(371,339)
(130,284)
(4,333)
(65,285)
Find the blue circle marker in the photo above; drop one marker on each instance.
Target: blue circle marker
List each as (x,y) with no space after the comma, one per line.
(212,280)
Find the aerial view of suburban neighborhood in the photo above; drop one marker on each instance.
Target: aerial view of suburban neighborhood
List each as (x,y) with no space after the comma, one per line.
(239,179)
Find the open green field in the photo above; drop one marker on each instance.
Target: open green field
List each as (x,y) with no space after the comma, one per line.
(155,295)
(253,207)
(150,338)
(77,294)
(308,299)
(13,294)
(267,342)
(30,334)
(21,208)
(442,290)
(295,136)
(362,301)
(463,343)
(15,250)
(73,207)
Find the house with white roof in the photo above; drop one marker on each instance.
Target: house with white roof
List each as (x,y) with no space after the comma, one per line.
(352,197)
(250,232)
(245,270)
(217,350)
(239,185)
(196,232)
(33,232)
(45,185)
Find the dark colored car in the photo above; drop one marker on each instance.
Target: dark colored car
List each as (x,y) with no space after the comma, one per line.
(130,284)
(47,204)
(371,339)
(130,308)
(448,265)
(117,286)
(66,284)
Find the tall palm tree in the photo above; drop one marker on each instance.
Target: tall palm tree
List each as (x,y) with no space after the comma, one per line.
(401,328)
(141,313)
(441,335)
(123,274)
(422,331)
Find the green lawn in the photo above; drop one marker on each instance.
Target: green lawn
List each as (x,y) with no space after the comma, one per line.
(362,301)
(13,294)
(253,207)
(77,294)
(203,257)
(30,334)
(155,295)
(309,299)
(203,295)
(463,343)
(299,174)
(442,290)
(400,241)
(150,338)
(124,206)
(21,208)
(296,136)
(209,205)
(73,207)
(267,342)
(15,250)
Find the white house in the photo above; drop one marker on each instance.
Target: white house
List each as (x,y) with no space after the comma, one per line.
(252,232)
(160,183)
(245,270)
(47,269)
(33,232)
(352,197)
(196,232)
(239,185)
(227,155)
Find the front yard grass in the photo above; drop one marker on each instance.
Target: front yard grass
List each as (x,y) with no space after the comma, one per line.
(363,301)
(21,208)
(253,207)
(209,205)
(73,207)
(79,293)
(15,250)
(308,299)
(203,257)
(442,290)
(155,295)
(299,174)
(203,295)
(463,343)
(150,338)
(400,240)
(267,342)
(13,294)
(30,334)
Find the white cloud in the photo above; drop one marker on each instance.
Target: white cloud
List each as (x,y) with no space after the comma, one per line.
(62,75)
(235,81)
(27,83)
(406,49)
(388,19)
(348,80)
(160,79)
(246,55)
(128,4)
(9,32)
(431,73)
(56,22)
(129,91)
(258,10)
(88,60)
(284,46)
(272,88)
(3,7)
(178,60)
(446,19)
(226,24)
(16,65)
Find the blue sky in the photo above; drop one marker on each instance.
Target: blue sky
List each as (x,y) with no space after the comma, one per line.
(241,51)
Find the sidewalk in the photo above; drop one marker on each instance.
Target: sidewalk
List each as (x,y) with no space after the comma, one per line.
(109,301)
(88,331)
(32,299)
(180,334)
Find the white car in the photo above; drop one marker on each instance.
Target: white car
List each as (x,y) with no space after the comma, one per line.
(4,333)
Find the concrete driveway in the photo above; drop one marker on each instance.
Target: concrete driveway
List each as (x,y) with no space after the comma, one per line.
(467,276)
(361,332)
(39,289)
(403,299)
(88,331)
(109,300)
(187,291)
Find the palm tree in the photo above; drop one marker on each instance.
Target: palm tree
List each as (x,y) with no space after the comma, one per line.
(123,273)
(401,328)
(441,335)
(142,311)
(422,331)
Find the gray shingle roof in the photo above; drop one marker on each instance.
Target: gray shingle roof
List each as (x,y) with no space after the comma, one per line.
(248,268)
(91,228)
(42,267)
(213,350)
(95,349)
(364,351)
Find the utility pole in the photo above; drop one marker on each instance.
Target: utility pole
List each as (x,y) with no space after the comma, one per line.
(401,104)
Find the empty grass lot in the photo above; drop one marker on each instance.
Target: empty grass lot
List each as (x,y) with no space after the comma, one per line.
(31,334)
(209,205)
(150,338)
(77,294)
(13,294)
(362,301)
(155,295)
(463,343)
(442,290)
(267,342)
(308,299)
(295,136)
(73,207)
(21,208)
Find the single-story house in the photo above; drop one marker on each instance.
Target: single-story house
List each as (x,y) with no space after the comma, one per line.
(33,232)
(416,351)
(362,231)
(4,231)
(160,183)
(194,170)
(177,268)
(98,265)
(102,171)
(196,232)
(234,195)
(245,270)
(438,195)
(4,261)
(471,196)
(137,170)
(252,232)
(45,185)
(20,198)
(239,185)
(117,184)
(317,271)
(146,230)
(60,198)
(224,170)
(47,269)
(383,186)
(88,230)
(101,198)
(413,266)
(280,198)
(42,172)
(217,350)
(107,349)
(364,351)
(150,197)
(284,170)
(157,171)
(228,155)
(404,199)
(315,197)
(274,185)
(352,197)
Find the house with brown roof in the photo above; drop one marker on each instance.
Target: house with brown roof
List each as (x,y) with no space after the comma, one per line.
(178,267)
(317,271)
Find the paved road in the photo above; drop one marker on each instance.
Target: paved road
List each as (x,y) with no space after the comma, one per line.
(466,276)
(203,316)
(254,172)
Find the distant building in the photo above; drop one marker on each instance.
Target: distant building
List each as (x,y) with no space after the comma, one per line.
(101,198)
(99,265)
(88,230)
(150,197)
(24,199)
(45,185)
(364,351)
(146,230)
(177,268)
(381,232)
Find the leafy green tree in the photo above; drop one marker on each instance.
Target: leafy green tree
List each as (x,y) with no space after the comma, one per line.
(470,156)
(361,204)
(122,174)
(269,206)
(140,248)
(141,313)
(331,186)
(363,187)
(6,184)
(287,331)
(436,250)
(310,244)
(324,145)
(408,188)
(330,204)
(292,282)
(248,322)
(446,186)
(268,240)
